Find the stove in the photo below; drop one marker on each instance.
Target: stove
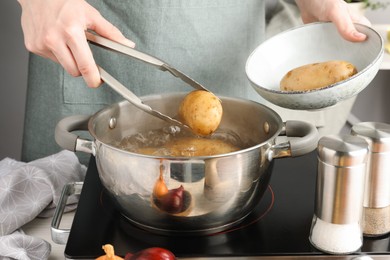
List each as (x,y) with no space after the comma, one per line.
(278,228)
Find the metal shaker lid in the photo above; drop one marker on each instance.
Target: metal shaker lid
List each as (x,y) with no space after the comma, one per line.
(342,150)
(377,134)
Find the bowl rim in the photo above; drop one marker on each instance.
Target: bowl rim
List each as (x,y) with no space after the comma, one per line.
(300,92)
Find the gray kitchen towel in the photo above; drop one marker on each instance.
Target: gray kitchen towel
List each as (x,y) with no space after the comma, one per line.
(30,190)
(23,247)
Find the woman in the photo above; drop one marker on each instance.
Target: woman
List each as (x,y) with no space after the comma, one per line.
(208,40)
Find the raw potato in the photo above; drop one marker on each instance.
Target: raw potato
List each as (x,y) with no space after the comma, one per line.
(201,111)
(317,75)
(191,146)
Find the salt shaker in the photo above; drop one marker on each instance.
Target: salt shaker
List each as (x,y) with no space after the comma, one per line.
(336,225)
(376,210)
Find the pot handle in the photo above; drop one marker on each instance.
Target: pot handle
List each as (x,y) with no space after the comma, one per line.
(306,142)
(70,141)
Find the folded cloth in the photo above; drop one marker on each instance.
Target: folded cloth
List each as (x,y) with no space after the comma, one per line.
(23,247)
(28,190)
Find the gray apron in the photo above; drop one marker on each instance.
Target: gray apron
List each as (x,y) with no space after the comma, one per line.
(209,40)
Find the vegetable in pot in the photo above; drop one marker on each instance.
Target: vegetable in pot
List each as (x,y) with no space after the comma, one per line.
(198,146)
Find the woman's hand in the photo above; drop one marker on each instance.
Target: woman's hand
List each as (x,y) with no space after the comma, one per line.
(336,11)
(55,29)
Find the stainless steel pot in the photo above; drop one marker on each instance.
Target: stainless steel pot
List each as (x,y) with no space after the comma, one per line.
(219,191)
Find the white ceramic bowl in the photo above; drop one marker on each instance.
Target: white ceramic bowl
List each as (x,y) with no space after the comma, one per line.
(316,42)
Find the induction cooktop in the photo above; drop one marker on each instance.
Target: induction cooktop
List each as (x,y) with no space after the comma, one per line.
(278,228)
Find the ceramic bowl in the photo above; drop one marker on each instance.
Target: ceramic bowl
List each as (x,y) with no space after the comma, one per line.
(311,43)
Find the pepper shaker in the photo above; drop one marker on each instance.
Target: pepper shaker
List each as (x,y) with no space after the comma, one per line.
(376,205)
(336,225)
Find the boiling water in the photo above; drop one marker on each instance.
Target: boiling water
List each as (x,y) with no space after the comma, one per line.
(174,141)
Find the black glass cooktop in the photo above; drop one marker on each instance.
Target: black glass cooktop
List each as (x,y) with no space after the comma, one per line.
(279,226)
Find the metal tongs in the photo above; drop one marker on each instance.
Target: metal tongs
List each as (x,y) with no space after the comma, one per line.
(125,92)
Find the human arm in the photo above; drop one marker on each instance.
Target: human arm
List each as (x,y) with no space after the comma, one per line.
(336,11)
(55,29)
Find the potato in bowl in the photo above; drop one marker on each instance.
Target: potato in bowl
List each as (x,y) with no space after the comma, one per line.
(317,75)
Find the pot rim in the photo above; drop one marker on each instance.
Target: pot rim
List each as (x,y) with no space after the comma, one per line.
(181,158)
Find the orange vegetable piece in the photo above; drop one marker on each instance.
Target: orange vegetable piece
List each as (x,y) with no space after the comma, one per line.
(110,253)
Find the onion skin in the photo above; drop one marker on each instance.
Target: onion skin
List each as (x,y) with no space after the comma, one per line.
(152,253)
(160,188)
(173,201)
(110,253)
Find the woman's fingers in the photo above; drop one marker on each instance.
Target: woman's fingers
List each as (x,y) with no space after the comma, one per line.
(106,29)
(83,59)
(336,11)
(345,26)
(56,30)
